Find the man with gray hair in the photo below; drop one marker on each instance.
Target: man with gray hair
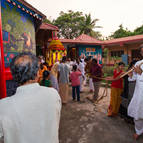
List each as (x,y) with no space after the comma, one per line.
(32,115)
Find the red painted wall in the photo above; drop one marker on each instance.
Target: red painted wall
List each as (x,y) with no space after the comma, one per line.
(2,68)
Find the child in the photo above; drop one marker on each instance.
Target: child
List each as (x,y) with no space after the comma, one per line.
(41,70)
(75,81)
(116,91)
(45,81)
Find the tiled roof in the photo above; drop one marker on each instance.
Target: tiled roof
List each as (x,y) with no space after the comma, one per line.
(32,8)
(82,39)
(48,26)
(124,40)
(85,37)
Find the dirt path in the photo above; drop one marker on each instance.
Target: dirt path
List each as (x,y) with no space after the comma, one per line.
(86,123)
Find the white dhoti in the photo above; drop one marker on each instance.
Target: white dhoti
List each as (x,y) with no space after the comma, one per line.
(81,83)
(91,84)
(139,126)
(135,108)
(54,82)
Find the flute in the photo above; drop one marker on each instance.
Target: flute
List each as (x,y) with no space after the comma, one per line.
(129,71)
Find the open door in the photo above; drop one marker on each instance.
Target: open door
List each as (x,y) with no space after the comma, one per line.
(72,53)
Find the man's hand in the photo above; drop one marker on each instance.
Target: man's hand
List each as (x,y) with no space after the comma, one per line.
(130,74)
(138,70)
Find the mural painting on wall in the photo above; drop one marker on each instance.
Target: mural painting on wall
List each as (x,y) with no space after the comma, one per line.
(93,52)
(18,31)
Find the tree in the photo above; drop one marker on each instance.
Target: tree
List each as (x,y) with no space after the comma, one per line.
(88,25)
(96,34)
(138,30)
(121,32)
(73,24)
(69,24)
(47,21)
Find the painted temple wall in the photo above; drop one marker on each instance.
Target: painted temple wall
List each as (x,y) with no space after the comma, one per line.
(18,31)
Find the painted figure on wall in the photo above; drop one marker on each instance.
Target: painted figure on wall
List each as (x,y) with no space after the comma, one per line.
(18,31)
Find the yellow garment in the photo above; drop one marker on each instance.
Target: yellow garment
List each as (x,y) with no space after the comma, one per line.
(115,101)
(54,70)
(63,90)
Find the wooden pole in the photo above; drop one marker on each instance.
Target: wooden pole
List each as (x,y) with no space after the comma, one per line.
(2,67)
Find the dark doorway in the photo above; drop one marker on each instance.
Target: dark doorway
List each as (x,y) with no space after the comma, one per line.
(72,53)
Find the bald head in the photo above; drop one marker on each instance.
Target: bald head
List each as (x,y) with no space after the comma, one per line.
(24,67)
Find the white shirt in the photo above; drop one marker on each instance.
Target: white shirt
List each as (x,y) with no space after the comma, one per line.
(135,108)
(82,68)
(30,116)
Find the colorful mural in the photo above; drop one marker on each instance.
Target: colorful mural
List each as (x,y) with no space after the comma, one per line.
(18,31)
(94,51)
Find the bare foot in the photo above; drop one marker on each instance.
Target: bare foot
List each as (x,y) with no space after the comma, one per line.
(136,136)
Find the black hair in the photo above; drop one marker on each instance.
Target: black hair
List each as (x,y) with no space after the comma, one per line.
(77,61)
(89,58)
(121,63)
(94,60)
(24,67)
(45,75)
(132,63)
(64,58)
(74,67)
(41,66)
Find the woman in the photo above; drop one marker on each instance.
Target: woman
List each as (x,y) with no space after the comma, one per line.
(54,75)
(116,91)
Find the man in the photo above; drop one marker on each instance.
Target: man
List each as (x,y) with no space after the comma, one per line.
(63,78)
(135,108)
(96,74)
(87,68)
(31,115)
(81,67)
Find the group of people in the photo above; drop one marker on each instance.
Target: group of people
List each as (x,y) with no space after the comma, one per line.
(76,72)
(32,114)
(134,105)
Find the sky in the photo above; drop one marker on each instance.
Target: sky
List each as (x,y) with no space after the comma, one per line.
(111,13)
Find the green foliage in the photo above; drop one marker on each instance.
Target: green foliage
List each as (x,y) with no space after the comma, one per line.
(108,70)
(106,50)
(47,21)
(88,25)
(69,24)
(73,24)
(17,28)
(138,30)
(121,32)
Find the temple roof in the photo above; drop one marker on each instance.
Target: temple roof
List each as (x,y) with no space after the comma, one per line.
(47,26)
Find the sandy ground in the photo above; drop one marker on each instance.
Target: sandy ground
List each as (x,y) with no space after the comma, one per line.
(88,123)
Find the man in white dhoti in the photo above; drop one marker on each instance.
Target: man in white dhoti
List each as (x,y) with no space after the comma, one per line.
(63,78)
(82,77)
(135,108)
(31,115)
